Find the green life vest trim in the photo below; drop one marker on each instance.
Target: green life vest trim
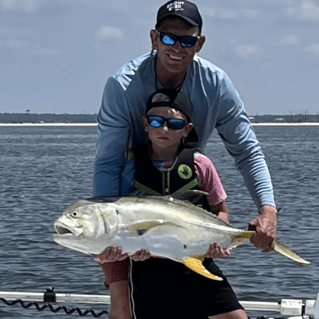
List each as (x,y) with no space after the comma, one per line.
(146,189)
(188,186)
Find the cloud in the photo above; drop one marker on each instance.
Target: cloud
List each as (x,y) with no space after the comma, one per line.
(289,40)
(307,11)
(226,14)
(47,51)
(313,49)
(247,50)
(16,32)
(107,32)
(16,43)
(16,38)
(27,6)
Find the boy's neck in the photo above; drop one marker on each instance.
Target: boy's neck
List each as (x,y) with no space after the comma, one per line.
(166,155)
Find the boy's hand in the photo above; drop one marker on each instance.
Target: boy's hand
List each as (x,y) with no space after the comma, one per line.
(216,251)
(110,254)
(141,255)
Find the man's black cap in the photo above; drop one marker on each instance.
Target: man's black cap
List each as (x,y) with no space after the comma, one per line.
(177,100)
(184,9)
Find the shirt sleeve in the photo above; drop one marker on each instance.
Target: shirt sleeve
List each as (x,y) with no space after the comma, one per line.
(239,137)
(209,179)
(112,141)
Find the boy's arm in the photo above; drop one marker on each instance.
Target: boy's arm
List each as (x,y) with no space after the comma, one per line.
(220,210)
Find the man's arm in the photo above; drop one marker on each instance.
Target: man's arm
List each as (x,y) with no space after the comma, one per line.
(241,142)
(112,141)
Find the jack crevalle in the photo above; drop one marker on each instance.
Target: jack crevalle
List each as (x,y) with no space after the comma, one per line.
(164,225)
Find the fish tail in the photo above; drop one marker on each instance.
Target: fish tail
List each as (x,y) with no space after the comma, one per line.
(241,239)
(281,249)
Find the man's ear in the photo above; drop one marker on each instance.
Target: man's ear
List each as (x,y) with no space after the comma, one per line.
(153,36)
(200,43)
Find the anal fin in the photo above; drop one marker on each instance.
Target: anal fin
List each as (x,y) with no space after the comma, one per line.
(196,265)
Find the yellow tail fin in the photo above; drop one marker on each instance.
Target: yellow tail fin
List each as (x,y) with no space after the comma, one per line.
(289,253)
(280,248)
(197,266)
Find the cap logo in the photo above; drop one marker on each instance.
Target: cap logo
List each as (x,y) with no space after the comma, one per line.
(175,6)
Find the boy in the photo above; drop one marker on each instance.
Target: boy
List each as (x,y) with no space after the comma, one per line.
(165,164)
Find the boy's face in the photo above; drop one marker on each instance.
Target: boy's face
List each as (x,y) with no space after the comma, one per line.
(164,137)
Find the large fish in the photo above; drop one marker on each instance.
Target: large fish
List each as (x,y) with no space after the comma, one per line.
(164,225)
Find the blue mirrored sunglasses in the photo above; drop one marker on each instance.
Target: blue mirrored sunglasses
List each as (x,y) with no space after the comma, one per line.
(172,123)
(186,41)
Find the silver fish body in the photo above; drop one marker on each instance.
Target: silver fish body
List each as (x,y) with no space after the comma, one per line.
(165,226)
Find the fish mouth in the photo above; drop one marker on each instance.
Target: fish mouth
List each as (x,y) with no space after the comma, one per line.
(63,230)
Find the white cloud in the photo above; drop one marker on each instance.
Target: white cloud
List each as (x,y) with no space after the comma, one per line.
(247,50)
(226,14)
(17,44)
(27,6)
(307,11)
(47,51)
(107,32)
(313,49)
(16,32)
(289,40)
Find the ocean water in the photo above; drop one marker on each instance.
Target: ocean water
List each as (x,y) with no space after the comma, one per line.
(44,169)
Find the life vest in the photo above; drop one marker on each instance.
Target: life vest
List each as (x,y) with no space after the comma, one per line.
(181,177)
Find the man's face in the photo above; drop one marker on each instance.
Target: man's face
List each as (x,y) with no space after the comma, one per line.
(175,59)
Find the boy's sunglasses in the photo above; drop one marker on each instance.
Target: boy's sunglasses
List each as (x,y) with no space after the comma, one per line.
(172,123)
(186,41)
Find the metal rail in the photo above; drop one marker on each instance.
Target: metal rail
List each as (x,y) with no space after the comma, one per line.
(289,307)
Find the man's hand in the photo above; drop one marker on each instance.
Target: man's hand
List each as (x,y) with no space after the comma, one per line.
(265,229)
(110,254)
(216,251)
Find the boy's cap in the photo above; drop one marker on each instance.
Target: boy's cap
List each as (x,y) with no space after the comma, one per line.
(184,9)
(177,100)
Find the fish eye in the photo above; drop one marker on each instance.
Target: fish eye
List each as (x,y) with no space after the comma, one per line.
(74,214)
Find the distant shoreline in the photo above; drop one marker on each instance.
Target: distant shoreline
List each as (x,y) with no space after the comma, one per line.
(95,124)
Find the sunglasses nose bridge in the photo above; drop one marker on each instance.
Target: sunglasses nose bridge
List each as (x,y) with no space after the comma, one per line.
(164,126)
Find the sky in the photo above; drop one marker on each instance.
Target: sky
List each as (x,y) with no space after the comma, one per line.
(56,55)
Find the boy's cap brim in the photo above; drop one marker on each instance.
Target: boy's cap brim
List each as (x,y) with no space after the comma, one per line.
(177,100)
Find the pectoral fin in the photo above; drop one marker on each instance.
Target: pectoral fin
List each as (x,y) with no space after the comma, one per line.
(140,228)
(280,248)
(196,265)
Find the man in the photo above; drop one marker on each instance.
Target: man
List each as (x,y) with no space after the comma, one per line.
(216,104)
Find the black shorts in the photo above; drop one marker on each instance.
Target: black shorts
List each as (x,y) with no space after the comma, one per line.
(162,288)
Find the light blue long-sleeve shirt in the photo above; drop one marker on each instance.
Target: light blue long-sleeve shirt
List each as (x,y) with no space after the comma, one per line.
(216,104)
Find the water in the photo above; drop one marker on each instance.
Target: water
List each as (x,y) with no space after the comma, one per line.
(43,169)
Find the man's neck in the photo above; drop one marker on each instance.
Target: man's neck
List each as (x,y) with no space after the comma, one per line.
(169,80)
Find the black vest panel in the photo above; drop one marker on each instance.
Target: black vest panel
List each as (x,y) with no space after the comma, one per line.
(180,177)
